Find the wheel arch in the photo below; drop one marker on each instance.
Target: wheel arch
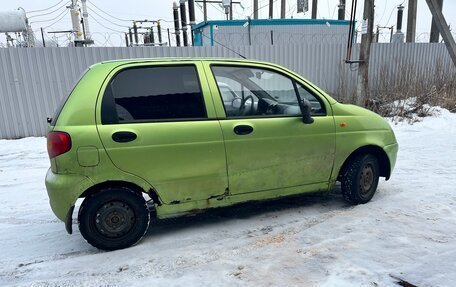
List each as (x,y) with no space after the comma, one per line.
(120,184)
(378,152)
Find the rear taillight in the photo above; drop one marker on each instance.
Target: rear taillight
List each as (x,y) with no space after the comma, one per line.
(58,143)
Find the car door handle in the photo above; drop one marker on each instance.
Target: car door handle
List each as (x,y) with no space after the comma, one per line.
(124,137)
(243,130)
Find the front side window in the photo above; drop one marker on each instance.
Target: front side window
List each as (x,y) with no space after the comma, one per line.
(256,92)
(317,108)
(153,94)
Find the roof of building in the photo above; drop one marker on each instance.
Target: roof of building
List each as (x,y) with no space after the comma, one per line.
(260,22)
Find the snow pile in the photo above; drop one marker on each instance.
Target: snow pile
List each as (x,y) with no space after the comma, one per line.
(411,110)
(408,230)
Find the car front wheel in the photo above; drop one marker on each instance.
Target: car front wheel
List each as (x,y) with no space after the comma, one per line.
(113,218)
(360,179)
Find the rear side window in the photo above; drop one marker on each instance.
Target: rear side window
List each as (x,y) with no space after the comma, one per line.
(153,94)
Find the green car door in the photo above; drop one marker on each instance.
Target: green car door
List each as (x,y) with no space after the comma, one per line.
(267,144)
(157,121)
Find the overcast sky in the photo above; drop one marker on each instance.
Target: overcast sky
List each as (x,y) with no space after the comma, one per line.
(106,29)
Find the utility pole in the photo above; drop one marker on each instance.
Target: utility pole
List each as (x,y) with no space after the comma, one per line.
(83,29)
(271,9)
(362,91)
(205,10)
(434,37)
(443,28)
(176,23)
(314,9)
(159,32)
(85,15)
(152,36)
(169,37)
(191,12)
(42,37)
(126,39)
(74,11)
(191,15)
(282,8)
(255,9)
(183,15)
(391,33)
(135,32)
(130,35)
(341,12)
(377,35)
(411,21)
(231,9)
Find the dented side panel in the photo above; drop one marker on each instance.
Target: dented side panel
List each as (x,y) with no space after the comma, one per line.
(183,160)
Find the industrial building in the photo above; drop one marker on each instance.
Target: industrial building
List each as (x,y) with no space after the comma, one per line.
(269,32)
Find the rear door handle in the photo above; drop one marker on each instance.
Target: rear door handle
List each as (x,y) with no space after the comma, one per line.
(243,130)
(124,136)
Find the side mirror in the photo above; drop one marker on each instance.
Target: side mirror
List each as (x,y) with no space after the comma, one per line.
(236,103)
(306,108)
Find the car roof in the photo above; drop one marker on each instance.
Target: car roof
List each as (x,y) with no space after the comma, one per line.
(174,59)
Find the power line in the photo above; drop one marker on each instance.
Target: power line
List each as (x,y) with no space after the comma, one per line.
(169,21)
(329,8)
(391,14)
(114,17)
(236,52)
(56,20)
(95,19)
(383,14)
(394,8)
(39,15)
(42,10)
(48,20)
(117,18)
(123,26)
(239,15)
(334,11)
(262,7)
(201,9)
(292,11)
(216,8)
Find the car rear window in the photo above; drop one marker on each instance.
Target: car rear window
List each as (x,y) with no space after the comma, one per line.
(158,93)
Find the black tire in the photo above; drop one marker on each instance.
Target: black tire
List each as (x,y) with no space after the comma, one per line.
(360,179)
(114,218)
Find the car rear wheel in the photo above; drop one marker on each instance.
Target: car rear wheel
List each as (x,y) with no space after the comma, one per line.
(113,218)
(360,179)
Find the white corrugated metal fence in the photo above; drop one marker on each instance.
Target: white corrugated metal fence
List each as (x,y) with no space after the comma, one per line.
(33,81)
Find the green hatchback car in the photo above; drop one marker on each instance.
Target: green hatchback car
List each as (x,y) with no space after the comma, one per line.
(183,135)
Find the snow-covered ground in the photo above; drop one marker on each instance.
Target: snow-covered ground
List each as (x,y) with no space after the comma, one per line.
(407,231)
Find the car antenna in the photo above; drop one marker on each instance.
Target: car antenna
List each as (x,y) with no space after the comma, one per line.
(237,53)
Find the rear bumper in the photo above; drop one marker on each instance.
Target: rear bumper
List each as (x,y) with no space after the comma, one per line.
(63,191)
(391,150)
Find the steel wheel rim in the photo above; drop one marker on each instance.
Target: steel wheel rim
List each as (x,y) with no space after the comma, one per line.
(366,179)
(115,219)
